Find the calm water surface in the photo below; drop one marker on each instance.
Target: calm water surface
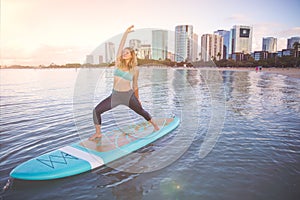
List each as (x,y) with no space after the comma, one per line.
(239,137)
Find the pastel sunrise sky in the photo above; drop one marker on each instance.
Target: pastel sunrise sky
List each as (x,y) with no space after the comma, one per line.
(41,32)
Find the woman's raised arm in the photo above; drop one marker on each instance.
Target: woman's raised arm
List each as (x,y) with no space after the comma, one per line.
(122,43)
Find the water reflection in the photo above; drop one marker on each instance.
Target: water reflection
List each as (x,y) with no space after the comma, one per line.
(248,93)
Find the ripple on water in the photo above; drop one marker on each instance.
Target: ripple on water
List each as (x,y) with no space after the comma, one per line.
(256,155)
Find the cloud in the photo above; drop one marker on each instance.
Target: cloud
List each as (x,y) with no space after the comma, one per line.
(276,30)
(295,31)
(237,18)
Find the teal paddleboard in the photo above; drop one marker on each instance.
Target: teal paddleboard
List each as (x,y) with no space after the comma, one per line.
(87,155)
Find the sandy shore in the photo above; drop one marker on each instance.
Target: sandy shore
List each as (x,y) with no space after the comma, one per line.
(291,72)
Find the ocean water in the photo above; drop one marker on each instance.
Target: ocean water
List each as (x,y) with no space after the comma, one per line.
(239,136)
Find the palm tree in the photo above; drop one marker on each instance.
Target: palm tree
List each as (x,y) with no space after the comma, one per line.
(296,46)
(219,55)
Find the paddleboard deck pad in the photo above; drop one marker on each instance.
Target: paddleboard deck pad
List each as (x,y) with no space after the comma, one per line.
(87,155)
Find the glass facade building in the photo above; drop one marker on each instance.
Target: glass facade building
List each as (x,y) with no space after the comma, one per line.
(184,43)
(89,59)
(159,44)
(109,52)
(291,41)
(195,47)
(269,44)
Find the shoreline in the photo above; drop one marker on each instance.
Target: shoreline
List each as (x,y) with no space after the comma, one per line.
(290,72)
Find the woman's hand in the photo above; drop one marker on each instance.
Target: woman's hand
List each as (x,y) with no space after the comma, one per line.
(130,29)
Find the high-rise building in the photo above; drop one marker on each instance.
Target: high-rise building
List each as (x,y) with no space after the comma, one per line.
(269,44)
(109,52)
(184,43)
(159,44)
(226,42)
(171,56)
(211,47)
(241,39)
(135,44)
(90,59)
(145,51)
(195,47)
(291,41)
(100,59)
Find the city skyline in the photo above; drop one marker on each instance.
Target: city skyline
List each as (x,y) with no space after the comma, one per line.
(218,45)
(35,32)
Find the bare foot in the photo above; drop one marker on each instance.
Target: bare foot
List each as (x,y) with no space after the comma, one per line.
(95,136)
(156,128)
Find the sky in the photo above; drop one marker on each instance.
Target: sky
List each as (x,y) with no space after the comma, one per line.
(41,32)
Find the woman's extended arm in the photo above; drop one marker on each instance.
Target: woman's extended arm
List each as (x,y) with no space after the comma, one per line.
(122,43)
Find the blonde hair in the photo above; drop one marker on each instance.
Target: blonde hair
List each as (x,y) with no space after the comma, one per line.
(132,62)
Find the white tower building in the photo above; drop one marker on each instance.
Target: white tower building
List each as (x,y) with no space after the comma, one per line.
(241,39)
(211,47)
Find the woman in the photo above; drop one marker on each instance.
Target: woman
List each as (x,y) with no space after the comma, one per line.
(126,72)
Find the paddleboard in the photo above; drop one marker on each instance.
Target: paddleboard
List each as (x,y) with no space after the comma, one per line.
(86,155)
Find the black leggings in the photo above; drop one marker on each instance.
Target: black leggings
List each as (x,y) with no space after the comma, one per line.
(119,98)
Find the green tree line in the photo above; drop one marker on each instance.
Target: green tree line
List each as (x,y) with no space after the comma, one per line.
(283,62)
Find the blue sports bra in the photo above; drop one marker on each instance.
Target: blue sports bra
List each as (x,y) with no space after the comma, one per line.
(125,75)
